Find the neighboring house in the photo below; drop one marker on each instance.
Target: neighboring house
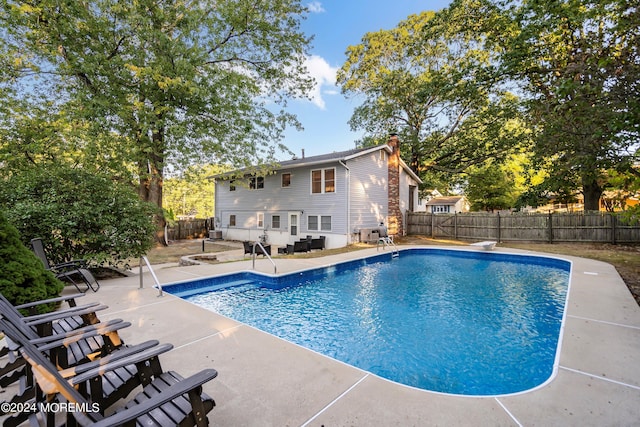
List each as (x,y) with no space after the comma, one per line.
(425,196)
(610,201)
(451,204)
(333,195)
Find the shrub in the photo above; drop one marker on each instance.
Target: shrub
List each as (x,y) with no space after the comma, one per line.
(78,214)
(23,277)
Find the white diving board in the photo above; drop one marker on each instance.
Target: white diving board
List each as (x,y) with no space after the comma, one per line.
(487,245)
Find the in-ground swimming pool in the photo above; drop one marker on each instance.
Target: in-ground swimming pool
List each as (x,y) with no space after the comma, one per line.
(461,322)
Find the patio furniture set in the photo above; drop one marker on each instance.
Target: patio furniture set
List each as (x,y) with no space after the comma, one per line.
(303,245)
(73,369)
(68,364)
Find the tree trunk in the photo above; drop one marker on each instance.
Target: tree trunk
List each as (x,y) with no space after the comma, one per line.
(591,191)
(151,181)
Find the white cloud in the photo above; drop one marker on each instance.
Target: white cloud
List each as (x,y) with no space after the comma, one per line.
(325,78)
(315,7)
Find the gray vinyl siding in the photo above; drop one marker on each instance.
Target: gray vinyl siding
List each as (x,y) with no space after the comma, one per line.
(245,203)
(360,199)
(369,183)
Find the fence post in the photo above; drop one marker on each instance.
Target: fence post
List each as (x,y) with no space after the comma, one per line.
(455,225)
(550,228)
(432,227)
(613,227)
(498,227)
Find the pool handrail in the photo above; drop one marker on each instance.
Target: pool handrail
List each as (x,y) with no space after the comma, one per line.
(264,252)
(388,241)
(153,274)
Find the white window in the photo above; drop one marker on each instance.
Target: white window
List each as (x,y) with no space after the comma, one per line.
(275,221)
(232,220)
(319,222)
(325,223)
(323,181)
(256,183)
(440,209)
(260,218)
(312,222)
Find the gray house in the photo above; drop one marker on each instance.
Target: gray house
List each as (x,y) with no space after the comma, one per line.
(341,196)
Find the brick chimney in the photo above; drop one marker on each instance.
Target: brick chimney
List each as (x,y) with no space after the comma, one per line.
(396,223)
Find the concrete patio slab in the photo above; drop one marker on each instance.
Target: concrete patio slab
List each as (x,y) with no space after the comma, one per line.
(603,349)
(265,381)
(576,399)
(377,402)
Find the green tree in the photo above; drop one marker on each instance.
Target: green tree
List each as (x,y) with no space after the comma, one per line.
(578,60)
(431,80)
(174,80)
(491,187)
(192,191)
(23,278)
(78,214)
(40,133)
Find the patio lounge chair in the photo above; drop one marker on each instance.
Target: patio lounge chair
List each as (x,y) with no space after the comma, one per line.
(77,346)
(78,316)
(168,400)
(32,307)
(248,249)
(44,324)
(103,389)
(74,272)
(318,243)
(301,246)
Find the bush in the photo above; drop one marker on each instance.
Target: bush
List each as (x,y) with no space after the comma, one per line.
(631,216)
(23,277)
(79,215)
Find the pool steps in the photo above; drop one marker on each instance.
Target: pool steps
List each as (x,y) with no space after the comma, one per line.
(200,290)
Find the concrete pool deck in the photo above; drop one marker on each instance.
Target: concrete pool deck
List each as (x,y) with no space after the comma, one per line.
(265,381)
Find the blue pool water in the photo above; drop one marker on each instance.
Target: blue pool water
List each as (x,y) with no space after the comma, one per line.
(471,323)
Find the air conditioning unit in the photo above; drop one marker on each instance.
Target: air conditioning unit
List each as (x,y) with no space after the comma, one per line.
(365,234)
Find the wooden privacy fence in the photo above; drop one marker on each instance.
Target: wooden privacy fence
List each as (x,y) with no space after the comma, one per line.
(603,227)
(189,229)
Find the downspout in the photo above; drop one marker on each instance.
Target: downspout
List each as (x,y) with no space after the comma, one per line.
(348,201)
(215,203)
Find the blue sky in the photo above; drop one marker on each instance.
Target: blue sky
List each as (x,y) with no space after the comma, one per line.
(337,24)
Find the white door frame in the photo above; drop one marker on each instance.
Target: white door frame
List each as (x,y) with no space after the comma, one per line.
(294,224)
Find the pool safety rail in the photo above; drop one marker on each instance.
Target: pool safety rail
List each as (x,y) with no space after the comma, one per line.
(153,274)
(264,252)
(388,241)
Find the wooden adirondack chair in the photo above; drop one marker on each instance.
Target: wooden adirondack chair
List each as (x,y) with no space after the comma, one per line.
(167,400)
